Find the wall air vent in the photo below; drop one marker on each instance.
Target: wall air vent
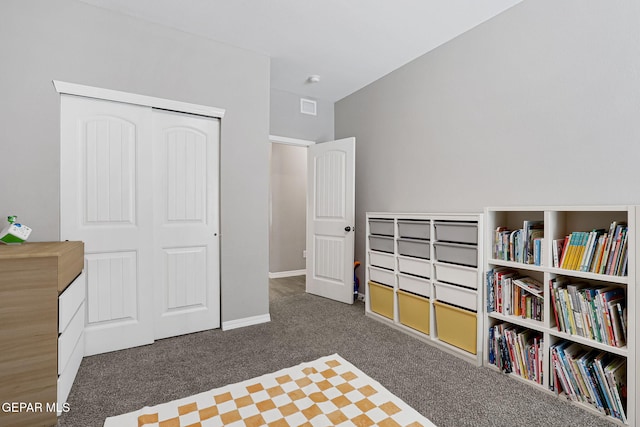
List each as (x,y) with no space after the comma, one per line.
(308,106)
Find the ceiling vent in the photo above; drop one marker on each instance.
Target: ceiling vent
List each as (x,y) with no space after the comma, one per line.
(308,106)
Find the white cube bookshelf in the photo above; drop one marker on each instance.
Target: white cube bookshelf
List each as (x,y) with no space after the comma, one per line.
(558,223)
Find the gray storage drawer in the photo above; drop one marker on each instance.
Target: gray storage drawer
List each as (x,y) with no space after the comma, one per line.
(414,229)
(381,226)
(414,247)
(456,253)
(459,232)
(381,243)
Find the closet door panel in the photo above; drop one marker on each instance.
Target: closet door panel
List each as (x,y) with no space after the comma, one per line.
(105,201)
(187,283)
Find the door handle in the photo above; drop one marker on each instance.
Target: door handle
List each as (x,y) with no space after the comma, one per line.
(347,228)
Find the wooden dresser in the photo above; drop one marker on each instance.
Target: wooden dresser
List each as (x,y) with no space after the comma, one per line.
(41,346)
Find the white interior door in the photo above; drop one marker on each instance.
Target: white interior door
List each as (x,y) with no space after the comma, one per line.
(331,219)
(105,201)
(187,281)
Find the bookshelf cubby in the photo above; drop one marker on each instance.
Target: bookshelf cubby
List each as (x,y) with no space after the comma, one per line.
(587,327)
(424,277)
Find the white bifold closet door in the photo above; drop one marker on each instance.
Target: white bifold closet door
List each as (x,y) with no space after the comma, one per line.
(140,187)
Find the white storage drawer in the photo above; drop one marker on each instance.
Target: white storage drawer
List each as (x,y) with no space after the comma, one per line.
(380,259)
(381,226)
(459,232)
(69,301)
(457,275)
(414,285)
(456,295)
(414,229)
(456,253)
(415,248)
(69,338)
(65,380)
(417,267)
(380,275)
(381,244)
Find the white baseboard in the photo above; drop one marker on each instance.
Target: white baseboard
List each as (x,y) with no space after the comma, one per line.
(247,321)
(280,274)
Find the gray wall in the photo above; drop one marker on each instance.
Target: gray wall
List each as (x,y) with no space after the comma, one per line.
(538,106)
(287,120)
(287,230)
(65,40)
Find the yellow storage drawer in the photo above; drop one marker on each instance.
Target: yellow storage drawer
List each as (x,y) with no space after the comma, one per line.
(414,311)
(381,299)
(456,326)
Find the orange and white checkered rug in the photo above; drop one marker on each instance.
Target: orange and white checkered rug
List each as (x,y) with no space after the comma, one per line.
(326,392)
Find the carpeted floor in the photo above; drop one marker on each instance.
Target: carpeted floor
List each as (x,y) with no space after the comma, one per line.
(445,389)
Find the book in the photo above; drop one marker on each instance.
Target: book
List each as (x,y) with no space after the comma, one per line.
(572,352)
(616,374)
(615,248)
(516,246)
(500,250)
(570,248)
(531,230)
(580,248)
(565,249)
(554,302)
(537,250)
(622,311)
(619,338)
(594,237)
(606,295)
(585,254)
(622,257)
(556,250)
(576,308)
(599,362)
(595,265)
(530,285)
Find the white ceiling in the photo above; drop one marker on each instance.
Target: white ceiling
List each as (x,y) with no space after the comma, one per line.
(348,43)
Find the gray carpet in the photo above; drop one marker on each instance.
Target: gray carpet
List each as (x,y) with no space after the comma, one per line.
(445,389)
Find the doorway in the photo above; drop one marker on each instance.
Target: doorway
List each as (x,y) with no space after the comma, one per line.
(287,207)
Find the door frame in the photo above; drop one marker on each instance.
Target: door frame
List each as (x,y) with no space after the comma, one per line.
(134,98)
(304,143)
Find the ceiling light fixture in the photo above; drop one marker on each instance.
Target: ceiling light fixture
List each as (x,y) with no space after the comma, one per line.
(313,78)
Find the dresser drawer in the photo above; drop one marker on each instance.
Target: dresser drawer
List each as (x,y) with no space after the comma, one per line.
(383,260)
(456,295)
(457,253)
(69,338)
(414,284)
(415,266)
(69,301)
(457,275)
(414,229)
(65,380)
(459,232)
(381,226)
(380,275)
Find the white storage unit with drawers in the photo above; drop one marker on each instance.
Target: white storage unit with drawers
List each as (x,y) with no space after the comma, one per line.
(423,276)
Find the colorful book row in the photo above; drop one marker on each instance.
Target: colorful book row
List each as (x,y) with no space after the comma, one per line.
(516,350)
(595,312)
(590,376)
(510,294)
(596,251)
(522,245)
